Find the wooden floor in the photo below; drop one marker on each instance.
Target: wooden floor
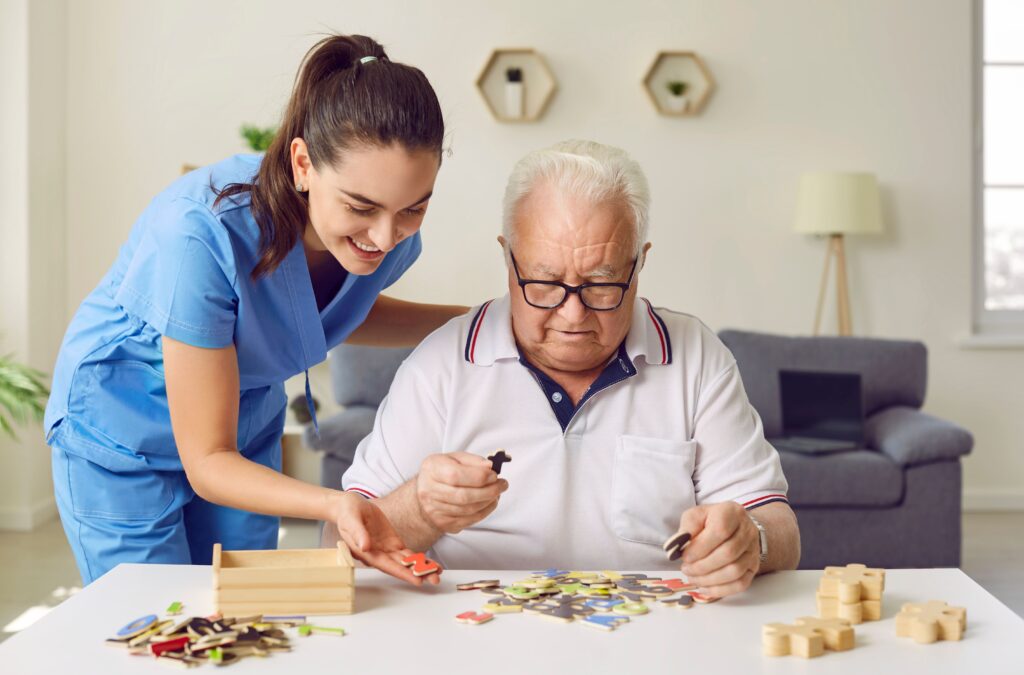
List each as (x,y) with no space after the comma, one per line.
(40,570)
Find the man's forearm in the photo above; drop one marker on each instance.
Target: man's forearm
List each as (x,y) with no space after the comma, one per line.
(783,536)
(402,508)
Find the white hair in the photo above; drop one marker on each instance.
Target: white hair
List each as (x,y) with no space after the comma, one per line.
(584,169)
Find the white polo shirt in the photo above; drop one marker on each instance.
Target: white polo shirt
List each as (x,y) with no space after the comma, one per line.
(667,425)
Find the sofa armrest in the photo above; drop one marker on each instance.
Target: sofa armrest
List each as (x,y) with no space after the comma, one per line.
(909,436)
(341,433)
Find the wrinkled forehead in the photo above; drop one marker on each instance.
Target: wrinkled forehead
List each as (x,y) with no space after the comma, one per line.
(559,233)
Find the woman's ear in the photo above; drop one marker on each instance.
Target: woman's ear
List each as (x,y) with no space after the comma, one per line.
(302,165)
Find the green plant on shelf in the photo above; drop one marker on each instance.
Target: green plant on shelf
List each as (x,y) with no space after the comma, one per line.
(22,394)
(258,139)
(676,87)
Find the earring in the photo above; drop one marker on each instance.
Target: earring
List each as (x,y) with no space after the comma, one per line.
(300,187)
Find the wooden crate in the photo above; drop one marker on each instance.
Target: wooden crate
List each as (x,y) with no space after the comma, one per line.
(295,581)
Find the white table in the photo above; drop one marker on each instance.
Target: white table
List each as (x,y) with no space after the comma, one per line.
(398,628)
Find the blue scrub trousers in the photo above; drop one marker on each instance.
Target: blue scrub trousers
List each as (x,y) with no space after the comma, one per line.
(150,516)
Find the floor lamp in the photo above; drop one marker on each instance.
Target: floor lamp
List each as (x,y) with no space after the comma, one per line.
(836,204)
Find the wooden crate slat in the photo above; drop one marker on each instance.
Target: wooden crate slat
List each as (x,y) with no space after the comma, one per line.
(308,593)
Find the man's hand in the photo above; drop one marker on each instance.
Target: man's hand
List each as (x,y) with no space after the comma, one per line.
(724,553)
(457,489)
(370,537)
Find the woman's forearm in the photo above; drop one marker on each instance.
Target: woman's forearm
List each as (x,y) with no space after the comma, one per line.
(227,478)
(399,323)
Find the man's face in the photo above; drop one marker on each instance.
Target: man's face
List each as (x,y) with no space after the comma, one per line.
(561,238)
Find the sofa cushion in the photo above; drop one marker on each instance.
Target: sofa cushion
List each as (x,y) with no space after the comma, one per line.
(853,478)
(893,372)
(362,375)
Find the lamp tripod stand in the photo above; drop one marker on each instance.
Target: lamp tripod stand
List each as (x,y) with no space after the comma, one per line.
(835,248)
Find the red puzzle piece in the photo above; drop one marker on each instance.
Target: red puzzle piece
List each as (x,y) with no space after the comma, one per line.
(677,584)
(421,565)
(473,617)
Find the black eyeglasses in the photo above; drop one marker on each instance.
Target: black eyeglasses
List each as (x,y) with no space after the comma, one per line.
(600,297)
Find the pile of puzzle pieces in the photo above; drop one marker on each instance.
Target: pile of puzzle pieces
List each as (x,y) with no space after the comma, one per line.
(195,641)
(848,596)
(602,600)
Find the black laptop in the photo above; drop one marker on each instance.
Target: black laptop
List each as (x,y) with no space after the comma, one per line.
(821,412)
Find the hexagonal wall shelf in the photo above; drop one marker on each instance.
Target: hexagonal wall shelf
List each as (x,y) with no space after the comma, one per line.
(516,85)
(687,67)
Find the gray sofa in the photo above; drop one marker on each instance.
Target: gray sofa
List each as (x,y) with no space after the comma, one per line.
(894,503)
(360,378)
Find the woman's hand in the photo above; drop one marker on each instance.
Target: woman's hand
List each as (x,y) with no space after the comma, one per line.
(372,539)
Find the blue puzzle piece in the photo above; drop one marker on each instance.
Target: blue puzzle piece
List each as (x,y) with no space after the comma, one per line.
(553,572)
(604,605)
(605,621)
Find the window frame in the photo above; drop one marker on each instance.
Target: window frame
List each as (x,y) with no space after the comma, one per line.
(985,323)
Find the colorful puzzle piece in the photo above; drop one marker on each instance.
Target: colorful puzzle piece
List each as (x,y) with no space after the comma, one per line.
(606,622)
(421,565)
(928,622)
(474,618)
(675,544)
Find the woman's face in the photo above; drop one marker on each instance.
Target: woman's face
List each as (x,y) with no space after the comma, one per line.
(362,207)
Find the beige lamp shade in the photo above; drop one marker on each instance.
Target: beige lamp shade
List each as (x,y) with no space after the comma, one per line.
(834,202)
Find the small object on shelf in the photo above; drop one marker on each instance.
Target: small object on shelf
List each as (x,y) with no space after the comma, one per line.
(676,95)
(514,93)
(502,84)
(678,71)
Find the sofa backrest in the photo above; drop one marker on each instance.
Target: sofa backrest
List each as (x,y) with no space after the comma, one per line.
(362,375)
(893,372)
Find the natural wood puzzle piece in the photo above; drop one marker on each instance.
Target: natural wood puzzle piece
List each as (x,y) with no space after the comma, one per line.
(853,593)
(779,639)
(837,633)
(928,622)
(852,583)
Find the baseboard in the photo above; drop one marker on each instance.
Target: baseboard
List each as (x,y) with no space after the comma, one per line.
(994,500)
(28,519)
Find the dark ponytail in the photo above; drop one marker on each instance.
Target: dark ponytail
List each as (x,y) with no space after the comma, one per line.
(337,103)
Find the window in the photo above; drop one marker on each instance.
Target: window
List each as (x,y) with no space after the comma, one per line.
(999,169)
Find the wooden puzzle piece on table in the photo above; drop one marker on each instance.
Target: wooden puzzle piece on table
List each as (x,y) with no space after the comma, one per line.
(837,633)
(683,601)
(831,608)
(421,565)
(504,606)
(497,459)
(473,617)
(779,639)
(482,584)
(853,583)
(607,622)
(931,621)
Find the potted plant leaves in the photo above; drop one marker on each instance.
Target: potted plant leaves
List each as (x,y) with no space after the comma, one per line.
(677,102)
(256,138)
(22,394)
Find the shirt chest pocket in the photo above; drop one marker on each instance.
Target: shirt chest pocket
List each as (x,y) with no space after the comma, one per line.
(651,487)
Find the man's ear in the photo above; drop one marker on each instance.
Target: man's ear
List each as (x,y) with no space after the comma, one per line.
(643,254)
(502,242)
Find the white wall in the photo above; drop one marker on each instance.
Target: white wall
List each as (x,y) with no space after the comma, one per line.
(872,85)
(33,282)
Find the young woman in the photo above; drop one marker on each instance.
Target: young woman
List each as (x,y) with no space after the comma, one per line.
(168,400)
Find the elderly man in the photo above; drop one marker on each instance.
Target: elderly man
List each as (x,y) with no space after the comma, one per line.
(625,423)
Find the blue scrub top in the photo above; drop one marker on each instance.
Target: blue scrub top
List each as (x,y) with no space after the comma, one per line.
(185,272)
